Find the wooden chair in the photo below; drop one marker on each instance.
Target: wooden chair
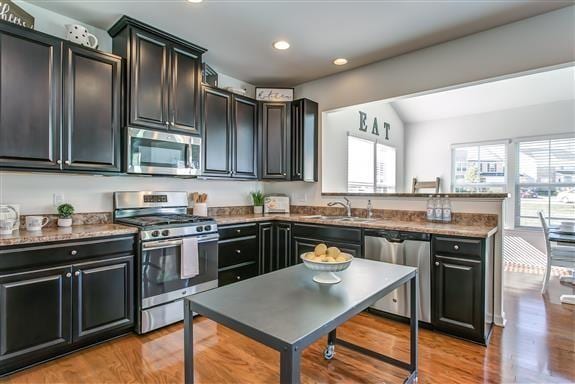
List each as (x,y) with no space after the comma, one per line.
(558,256)
(417,185)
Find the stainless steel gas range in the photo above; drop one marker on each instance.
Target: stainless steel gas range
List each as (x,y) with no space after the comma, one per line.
(168,238)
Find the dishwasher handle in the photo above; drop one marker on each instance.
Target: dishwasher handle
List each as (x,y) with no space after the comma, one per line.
(397,236)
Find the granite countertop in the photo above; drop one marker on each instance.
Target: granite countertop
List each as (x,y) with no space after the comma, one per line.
(400,225)
(76,232)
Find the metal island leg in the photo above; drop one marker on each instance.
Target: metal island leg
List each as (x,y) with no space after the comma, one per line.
(188,343)
(290,366)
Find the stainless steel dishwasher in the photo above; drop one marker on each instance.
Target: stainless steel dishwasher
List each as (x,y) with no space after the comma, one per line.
(405,248)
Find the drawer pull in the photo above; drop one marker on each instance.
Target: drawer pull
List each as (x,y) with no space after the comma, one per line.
(456,247)
(437,263)
(73,252)
(238,278)
(238,251)
(238,231)
(77,273)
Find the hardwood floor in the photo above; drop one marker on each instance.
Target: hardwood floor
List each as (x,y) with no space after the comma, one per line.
(537,346)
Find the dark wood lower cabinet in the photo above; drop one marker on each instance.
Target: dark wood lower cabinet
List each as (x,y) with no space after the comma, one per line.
(266,248)
(36,311)
(58,298)
(462,281)
(103,296)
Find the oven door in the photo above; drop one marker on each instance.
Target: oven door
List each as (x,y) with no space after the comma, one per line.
(163,153)
(161,265)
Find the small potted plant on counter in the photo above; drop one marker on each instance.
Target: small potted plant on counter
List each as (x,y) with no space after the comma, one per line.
(65,212)
(258,199)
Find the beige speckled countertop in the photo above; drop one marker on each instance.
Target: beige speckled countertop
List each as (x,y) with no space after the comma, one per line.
(410,226)
(75,232)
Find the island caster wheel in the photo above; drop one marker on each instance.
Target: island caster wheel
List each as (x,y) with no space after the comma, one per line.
(329,352)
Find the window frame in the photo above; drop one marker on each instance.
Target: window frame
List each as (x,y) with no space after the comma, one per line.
(518,185)
(505,184)
(374,142)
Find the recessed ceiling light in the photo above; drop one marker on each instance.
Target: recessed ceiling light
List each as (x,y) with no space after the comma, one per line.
(281,45)
(195,1)
(340,61)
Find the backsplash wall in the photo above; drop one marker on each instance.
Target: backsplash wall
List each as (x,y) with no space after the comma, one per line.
(34,191)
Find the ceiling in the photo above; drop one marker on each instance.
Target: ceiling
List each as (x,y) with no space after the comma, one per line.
(239,33)
(534,89)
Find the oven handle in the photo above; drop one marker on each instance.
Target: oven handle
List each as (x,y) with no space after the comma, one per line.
(160,244)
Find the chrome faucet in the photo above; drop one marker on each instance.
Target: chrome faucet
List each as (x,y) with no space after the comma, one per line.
(347,205)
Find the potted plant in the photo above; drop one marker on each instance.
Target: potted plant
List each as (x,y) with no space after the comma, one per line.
(258,199)
(65,212)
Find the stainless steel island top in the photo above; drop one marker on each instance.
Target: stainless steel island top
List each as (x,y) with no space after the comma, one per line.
(286,310)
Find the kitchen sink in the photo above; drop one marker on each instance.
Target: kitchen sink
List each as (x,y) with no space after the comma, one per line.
(354,219)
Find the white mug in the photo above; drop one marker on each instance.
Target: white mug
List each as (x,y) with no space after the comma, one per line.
(36,223)
(80,35)
(6,226)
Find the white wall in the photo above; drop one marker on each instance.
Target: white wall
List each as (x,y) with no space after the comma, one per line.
(34,191)
(336,127)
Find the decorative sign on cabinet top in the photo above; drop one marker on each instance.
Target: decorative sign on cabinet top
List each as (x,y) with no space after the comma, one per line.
(274,94)
(12,13)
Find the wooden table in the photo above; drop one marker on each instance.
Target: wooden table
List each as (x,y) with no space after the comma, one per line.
(564,238)
(287,311)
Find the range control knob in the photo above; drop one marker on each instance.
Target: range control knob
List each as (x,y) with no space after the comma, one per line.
(155,233)
(166,232)
(199,229)
(208,228)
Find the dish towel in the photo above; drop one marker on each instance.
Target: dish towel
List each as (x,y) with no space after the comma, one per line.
(190,265)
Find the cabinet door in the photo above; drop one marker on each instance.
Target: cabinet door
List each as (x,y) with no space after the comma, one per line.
(92,110)
(30,90)
(35,316)
(244,148)
(103,296)
(457,296)
(297,140)
(303,245)
(266,249)
(275,146)
(149,81)
(309,140)
(283,245)
(216,132)
(184,90)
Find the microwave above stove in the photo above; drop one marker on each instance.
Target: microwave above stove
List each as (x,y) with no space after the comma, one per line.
(163,153)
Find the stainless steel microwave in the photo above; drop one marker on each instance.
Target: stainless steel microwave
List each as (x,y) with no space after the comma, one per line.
(163,153)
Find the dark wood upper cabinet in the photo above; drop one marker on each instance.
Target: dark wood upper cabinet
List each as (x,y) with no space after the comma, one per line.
(148,81)
(216,132)
(275,140)
(91,110)
(304,140)
(184,90)
(164,77)
(244,131)
(30,98)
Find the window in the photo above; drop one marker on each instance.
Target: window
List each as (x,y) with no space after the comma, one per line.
(479,167)
(545,181)
(370,166)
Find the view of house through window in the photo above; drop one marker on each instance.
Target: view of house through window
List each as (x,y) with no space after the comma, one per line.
(371,166)
(546,181)
(479,167)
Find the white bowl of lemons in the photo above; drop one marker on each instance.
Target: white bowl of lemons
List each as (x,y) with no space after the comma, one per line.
(327,261)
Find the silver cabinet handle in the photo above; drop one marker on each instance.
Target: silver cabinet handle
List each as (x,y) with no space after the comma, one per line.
(456,247)
(238,251)
(58,161)
(238,278)
(238,231)
(73,252)
(68,162)
(68,275)
(172,124)
(284,174)
(77,273)
(437,263)
(167,123)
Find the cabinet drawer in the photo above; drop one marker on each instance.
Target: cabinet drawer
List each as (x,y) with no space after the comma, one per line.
(237,251)
(237,274)
(234,231)
(65,252)
(457,246)
(339,234)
